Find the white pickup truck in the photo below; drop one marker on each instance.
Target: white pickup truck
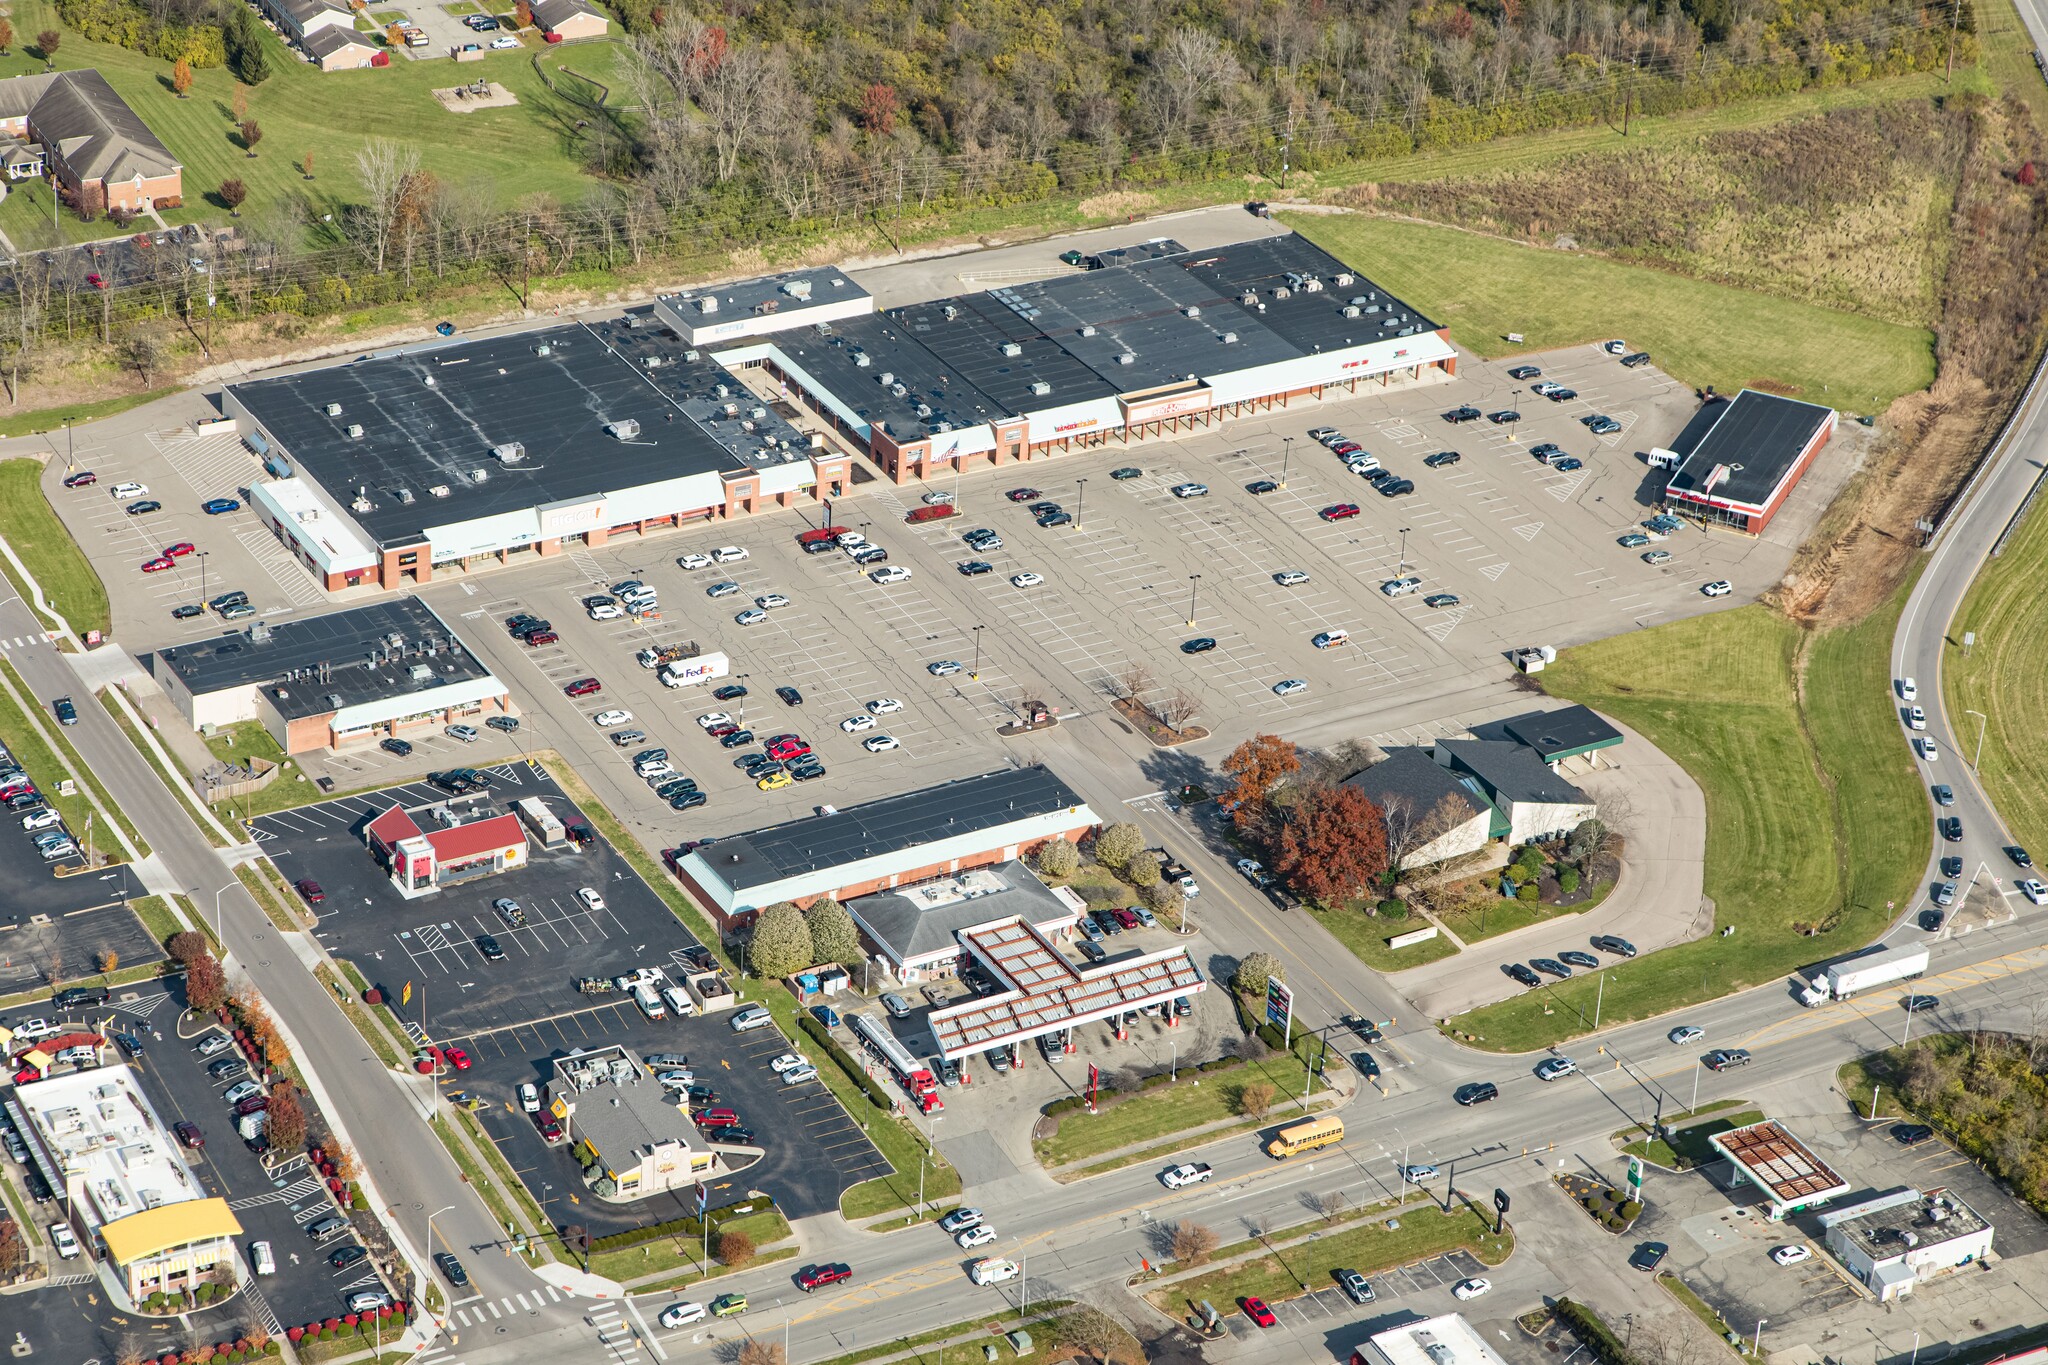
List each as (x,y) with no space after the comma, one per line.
(1185,1174)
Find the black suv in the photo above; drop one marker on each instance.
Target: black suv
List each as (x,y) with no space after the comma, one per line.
(1522,974)
(1478,1092)
(76,996)
(1467,413)
(452,1268)
(1639,358)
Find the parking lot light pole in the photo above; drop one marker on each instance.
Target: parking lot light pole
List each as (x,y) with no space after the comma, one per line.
(1080,495)
(1194,586)
(975,672)
(1286,450)
(931,1138)
(1404,553)
(1756,1347)
(216,906)
(202,578)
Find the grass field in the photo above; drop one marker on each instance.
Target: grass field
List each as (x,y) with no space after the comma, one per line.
(1367,935)
(766,1228)
(1491,916)
(515,150)
(1194,1100)
(31,527)
(1688,1147)
(1813,818)
(1368,1246)
(1484,288)
(2004,678)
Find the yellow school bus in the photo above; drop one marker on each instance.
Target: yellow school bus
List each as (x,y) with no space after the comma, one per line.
(1306,1137)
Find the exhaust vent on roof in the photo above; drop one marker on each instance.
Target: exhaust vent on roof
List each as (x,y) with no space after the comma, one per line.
(544,349)
(428,381)
(334,409)
(950,311)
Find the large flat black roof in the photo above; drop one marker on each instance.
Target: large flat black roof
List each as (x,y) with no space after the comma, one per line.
(889,825)
(970,334)
(1757,435)
(320,660)
(932,392)
(431,416)
(1311,319)
(1410,777)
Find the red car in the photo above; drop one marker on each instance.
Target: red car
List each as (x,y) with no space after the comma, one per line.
(813,1277)
(1124,917)
(722,730)
(96,281)
(310,889)
(550,1131)
(189,1134)
(783,750)
(713,1118)
(182,548)
(84,478)
(584,687)
(1255,1309)
(159,564)
(542,637)
(457,1058)
(1339,511)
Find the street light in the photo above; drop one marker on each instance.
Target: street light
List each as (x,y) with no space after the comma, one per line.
(1756,1347)
(202,578)
(216,907)
(931,1141)
(1979,754)
(1404,553)
(975,672)
(430,1231)
(1286,450)
(1194,586)
(1080,493)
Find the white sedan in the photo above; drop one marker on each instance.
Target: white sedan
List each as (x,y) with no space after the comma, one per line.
(607,719)
(676,1314)
(768,601)
(1287,687)
(788,1061)
(501,42)
(694,562)
(936,499)
(884,706)
(716,719)
(1791,1255)
(1026,580)
(1470,1289)
(853,725)
(753,616)
(880,744)
(1720,587)
(591,900)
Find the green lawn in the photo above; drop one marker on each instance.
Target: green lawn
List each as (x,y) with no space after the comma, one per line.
(2005,678)
(300,109)
(31,527)
(1496,915)
(26,741)
(1813,813)
(1192,1101)
(1367,935)
(1484,288)
(685,1253)
(1688,1147)
(1368,1246)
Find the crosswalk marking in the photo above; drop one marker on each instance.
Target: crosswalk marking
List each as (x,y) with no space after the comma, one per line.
(298,1189)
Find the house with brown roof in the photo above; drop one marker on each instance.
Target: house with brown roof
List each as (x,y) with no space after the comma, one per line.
(563,20)
(72,125)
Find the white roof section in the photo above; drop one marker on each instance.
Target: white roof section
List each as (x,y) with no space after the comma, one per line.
(310,517)
(106,1141)
(1048,992)
(764,305)
(1446,1340)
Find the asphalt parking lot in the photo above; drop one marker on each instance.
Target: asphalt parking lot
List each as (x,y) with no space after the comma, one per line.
(432,941)
(61,926)
(813,1150)
(1317,1309)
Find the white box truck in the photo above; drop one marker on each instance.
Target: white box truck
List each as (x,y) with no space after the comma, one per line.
(1879,968)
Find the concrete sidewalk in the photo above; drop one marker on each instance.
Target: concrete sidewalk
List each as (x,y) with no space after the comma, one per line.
(1658,900)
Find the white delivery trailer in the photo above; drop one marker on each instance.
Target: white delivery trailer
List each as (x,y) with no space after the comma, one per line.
(1880,968)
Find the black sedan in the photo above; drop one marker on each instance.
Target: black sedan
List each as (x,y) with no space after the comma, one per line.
(1920,1004)
(1552,966)
(1021,494)
(1579,959)
(1504,417)
(790,696)
(1478,1092)
(1951,828)
(1443,458)
(1562,395)
(974,568)
(1649,1255)
(730,692)
(1262,486)
(2018,855)
(1201,644)
(1522,974)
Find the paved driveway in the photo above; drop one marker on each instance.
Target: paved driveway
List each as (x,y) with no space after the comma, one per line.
(1657,902)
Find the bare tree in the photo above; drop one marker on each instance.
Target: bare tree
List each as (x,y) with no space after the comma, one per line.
(1411,830)
(387,168)
(1093,1330)
(1330,1204)
(1192,1243)
(145,350)
(1132,681)
(1177,708)
(1191,67)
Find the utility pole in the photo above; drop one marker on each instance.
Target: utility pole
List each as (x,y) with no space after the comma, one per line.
(1628,99)
(1955,17)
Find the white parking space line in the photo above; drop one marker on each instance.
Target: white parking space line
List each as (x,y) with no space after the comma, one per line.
(211,466)
(289,575)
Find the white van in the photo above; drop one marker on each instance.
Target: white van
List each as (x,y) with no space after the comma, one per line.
(649,1001)
(679,1001)
(1330,639)
(261,1259)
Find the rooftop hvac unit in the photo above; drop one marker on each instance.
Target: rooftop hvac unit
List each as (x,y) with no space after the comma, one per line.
(1311,285)
(1343,279)
(723,391)
(654,362)
(746,426)
(943,426)
(924,409)
(691,356)
(707,304)
(1193,311)
(355,431)
(1125,358)
(860,358)
(1230,338)
(759,414)
(334,409)
(1040,387)
(1248,298)
(479,475)
(1440,1352)
(730,410)
(440,490)
(1283,292)
(421,672)
(1088,330)
(510,452)
(898,389)
(544,349)
(800,290)
(636,322)
(405,496)
(1350,310)
(1011,348)
(951,311)
(624,430)
(885,379)
(1372,293)
(259,632)
(428,381)
(360,503)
